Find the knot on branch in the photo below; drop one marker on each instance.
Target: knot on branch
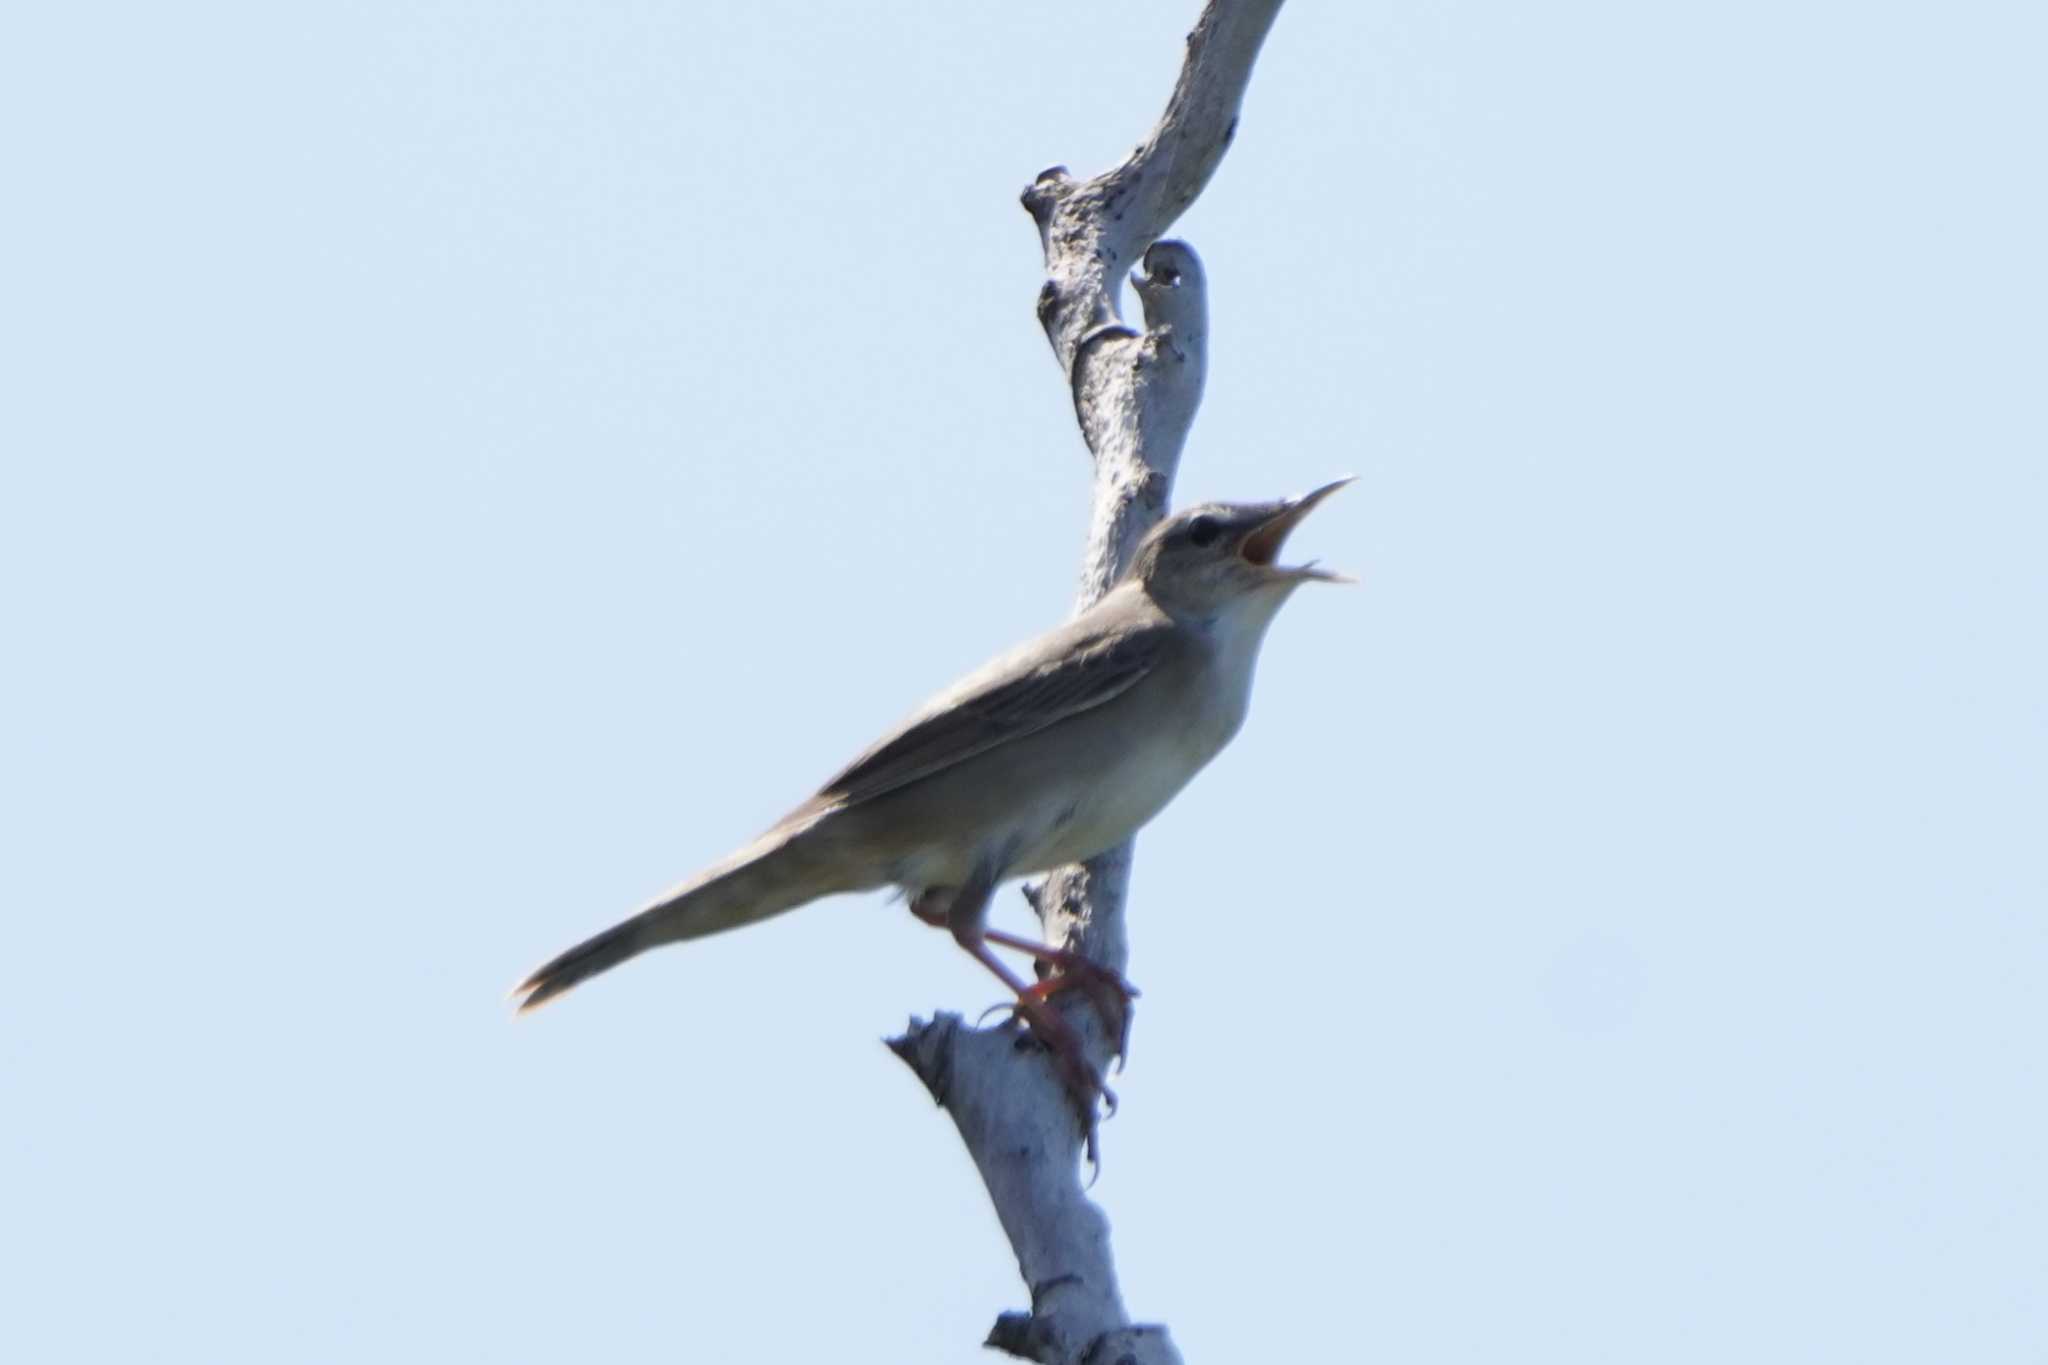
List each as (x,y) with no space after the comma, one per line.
(1048,306)
(1041,198)
(927,1049)
(1173,289)
(1024,1336)
(1140,1344)
(1031,1337)
(1168,264)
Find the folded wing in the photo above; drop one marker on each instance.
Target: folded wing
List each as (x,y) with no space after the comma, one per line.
(1061,674)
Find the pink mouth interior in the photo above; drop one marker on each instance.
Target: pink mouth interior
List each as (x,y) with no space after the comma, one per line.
(1262,546)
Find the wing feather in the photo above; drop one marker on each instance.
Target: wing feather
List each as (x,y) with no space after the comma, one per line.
(1074,669)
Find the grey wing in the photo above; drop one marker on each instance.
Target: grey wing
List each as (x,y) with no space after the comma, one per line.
(1072,670)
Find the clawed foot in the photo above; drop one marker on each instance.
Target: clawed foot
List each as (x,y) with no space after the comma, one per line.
(1111,995)
(1106,990)
(1083,1083)
(1062,970)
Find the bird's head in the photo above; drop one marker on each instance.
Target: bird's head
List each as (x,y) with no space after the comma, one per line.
(1204,559)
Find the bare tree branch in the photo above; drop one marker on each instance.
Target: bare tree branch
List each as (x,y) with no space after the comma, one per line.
(1093,229)
(1135,397)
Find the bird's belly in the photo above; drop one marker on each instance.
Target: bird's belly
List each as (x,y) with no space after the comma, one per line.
(1062,826)
(1100,811)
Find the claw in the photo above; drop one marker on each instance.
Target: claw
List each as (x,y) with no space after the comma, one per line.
(1108,992)
(1083,1085)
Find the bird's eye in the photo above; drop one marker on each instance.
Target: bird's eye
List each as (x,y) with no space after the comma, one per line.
(1203,530)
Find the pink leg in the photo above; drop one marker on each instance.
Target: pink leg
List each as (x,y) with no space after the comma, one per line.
(1106,990)
(965,912)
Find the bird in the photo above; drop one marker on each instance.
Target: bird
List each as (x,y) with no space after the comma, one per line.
(1051,753)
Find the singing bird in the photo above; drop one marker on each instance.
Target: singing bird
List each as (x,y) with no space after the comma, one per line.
(1052,753)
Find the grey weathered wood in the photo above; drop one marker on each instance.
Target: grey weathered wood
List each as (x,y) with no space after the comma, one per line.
(1135,396)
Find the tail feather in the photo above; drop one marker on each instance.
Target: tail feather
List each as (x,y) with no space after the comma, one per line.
(778,872)
(599,953)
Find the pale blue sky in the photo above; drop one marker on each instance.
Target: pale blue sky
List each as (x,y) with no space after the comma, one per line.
(467,465)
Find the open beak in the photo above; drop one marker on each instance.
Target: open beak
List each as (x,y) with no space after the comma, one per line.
(1262,546)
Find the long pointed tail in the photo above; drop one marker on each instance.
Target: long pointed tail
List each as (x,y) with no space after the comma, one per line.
(778,872)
